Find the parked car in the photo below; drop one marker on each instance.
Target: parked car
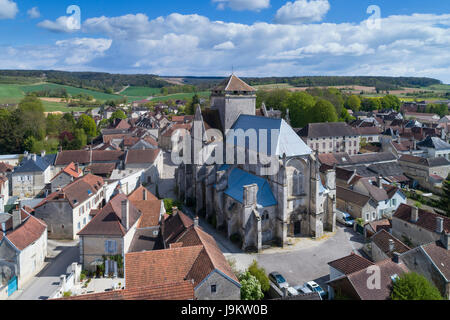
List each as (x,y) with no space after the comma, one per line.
(278,280)
(303,289)
(292,292)
(345,218)
(314,287)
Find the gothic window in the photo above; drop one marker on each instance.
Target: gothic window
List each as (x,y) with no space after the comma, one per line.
(297,183)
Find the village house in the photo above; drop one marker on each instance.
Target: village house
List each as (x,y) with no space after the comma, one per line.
(23,249)
(31,176)
(67,211)
(358,205)
(190,254)
(435,148)
(374,227)
(384,246)
(10,159)
(149,160)
(4,193)
(432,260)
(85,158)
(423,117)
(331,137)
(417,227)
(426,172)
(352,274)
(65,177)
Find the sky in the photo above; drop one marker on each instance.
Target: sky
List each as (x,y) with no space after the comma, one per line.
(257,38)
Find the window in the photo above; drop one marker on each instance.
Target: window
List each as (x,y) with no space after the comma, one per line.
(84,221)
(79,226)
(110,246)
(394,202)
(214,288)
(297,183)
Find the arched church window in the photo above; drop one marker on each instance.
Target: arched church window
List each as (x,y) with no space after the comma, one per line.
(297,183)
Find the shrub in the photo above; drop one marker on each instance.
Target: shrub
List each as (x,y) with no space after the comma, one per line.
(260,274)
(67,294)
(250,287)
(412,286)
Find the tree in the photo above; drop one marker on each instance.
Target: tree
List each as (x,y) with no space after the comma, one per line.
(391,102)
(412,286)
(354,103)
(79,141)
(323,111)
(260,274)
(300,105)
(88,125)
(118,114)
(250,287)
(444,204)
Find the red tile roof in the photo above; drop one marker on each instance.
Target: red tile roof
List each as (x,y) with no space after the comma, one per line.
(381,239)
(427,220)
(183,290)
(4,167)
(71,170)
(142,156)
(440,257)
(175,225)
(151,212)
(109,220)
(27,233)
(350,264)
(101,168)
(138,194)
(77,192)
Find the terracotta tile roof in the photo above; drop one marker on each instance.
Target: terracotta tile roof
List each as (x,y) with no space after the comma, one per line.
(4,167)
(352,196)
(142,156)
(175,127)
(379,225)
(106,155)
(366,131)
(358,280)
(183,290)
(381,239)
(151,212)
(350,264)
(427,220)
(101,168)
(77,156)
(161,266)
(233,83)
(122,124)
(138,194)
(109,220)
(440,257)
(213,258)
(77,192)
(28,232)
(175,226)
(145,240)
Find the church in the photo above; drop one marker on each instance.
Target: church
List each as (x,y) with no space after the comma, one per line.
(245,200)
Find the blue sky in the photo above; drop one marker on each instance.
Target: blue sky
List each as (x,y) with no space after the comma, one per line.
(208,37)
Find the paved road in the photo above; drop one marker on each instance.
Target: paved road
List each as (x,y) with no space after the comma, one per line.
(40,287)
(304,261)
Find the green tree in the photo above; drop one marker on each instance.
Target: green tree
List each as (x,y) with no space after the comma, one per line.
(391,102)
(118,114)
(354,103)
(250,287)
(412,286)
(261,275)
(31,113)
(300,105)
(88,125)
(323,111)
(444,203)
(79,141)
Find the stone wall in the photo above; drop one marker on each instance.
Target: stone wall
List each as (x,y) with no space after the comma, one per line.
(225,288)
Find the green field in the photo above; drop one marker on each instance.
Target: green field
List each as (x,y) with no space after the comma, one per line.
(71,90)
(141,92)
(181,96)
(10,93)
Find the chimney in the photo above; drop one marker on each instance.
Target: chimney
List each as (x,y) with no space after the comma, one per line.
(196,221)
(380,182)
(144,194)
(439,225)
(445,240)
(396,258)
(174,210)
(126,214)
(34,157)
(77,167)
(42,153)
(391,245)
(414,214)
(16,219)
(4,228)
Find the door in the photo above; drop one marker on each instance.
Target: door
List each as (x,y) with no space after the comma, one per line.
(12,286)
(297,228)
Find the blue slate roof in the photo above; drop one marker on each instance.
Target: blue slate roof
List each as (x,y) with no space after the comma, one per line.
(29,165)
(286,142)
(239,178)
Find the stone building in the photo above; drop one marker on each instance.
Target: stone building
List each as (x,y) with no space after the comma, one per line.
(242,198)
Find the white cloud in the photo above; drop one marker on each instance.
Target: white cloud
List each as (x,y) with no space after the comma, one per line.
(71,54)
(224,46)
(64,24)
(34,13)
(8,9)
(416,45)
(302,11)
(241,5)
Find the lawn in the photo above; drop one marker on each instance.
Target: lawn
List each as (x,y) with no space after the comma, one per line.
(10,93)
(182,96)
(141,92)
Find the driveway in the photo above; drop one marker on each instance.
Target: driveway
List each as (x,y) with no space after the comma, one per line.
(61,256)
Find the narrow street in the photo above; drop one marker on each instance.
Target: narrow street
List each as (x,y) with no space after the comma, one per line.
(40,287)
